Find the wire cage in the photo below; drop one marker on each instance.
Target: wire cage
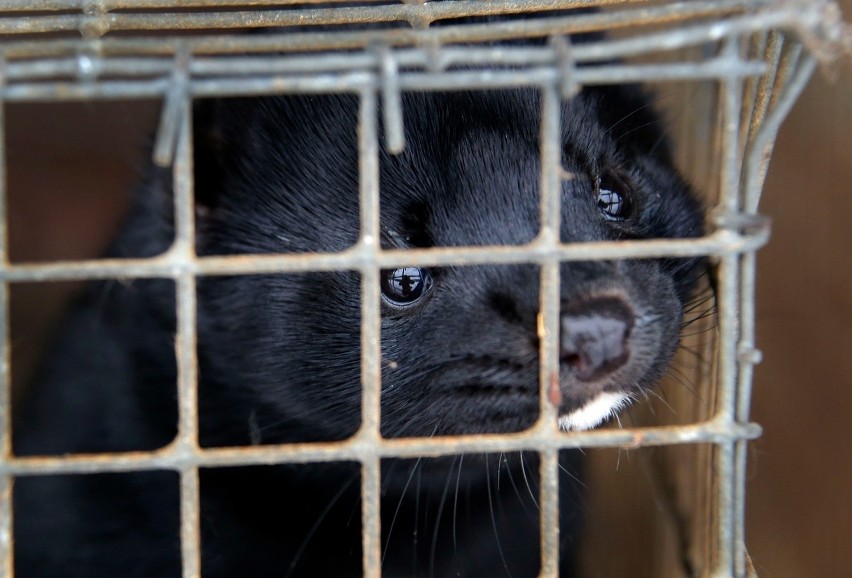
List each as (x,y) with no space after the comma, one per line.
(744,63)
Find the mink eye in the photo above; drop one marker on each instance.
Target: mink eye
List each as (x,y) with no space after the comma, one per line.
(614,198)
(404,286)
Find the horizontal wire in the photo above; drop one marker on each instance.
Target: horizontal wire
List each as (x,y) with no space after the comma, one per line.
(175,456)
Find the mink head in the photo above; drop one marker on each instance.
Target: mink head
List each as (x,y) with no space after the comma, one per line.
(280,354)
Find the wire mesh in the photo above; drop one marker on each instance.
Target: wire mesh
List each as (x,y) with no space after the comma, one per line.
(55,50)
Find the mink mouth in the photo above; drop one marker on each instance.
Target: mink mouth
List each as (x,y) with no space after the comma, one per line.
(574,392)
(503,407)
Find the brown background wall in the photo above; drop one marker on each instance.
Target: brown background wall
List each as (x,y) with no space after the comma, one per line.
(71,169)
(799,504)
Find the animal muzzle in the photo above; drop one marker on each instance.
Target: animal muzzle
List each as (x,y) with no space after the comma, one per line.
(594,339)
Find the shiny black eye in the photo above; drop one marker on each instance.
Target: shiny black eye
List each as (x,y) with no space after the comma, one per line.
(614,198)
(406,285)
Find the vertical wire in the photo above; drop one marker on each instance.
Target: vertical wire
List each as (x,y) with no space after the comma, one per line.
(6,480)
(186,340)
(724,464)
(723,460)
(728,305)
(731,106)
(748,356)
(548,325)
(788,62)
(168,130)
(755,101)
(368,161)
(391,101)
(775,104)
(763,86)
(757,49)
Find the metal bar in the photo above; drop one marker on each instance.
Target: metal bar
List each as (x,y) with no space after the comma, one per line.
(789,62)
(59,91)
(190,516)
(175,108)
(302,14)
(371,347)
(549,237)
(763,88)
(186,443)
(731,105)
(275,63)
(548,322)
(314,41)
(727,303)
(5,376)
(168,265)
(6,480)
(391,101)
(740,555)
(111,66)
(109,5)
(747,356)
(353,81)
(728,314)
(739,482)
(549,508)
(371,523)
(173,458)
(756,49)
(423,13)
(723,471)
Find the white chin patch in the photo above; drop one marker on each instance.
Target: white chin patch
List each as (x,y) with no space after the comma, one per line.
(594,412)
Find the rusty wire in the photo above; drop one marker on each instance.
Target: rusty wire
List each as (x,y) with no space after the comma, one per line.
(53,50)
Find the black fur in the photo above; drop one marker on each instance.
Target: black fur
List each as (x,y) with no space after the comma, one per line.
(279,354)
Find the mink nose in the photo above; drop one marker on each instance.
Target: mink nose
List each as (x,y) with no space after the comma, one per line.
(594,335)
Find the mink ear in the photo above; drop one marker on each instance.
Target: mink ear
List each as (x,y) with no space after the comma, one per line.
(211,149)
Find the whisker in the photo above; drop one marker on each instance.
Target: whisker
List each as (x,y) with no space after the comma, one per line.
(456,503)
(637,128)
(574,477)
(517,491)
(438,518)
(493,517)
(398,506)
(316,526)
(527,481)
(627,116)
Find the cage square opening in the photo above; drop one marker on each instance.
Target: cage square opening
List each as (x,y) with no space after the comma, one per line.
(71,168)
(127,521)
(69,399)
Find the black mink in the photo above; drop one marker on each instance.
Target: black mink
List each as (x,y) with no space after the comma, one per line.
(279,355)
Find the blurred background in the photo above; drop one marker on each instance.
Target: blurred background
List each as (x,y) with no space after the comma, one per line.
(72,168)
(799,502)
